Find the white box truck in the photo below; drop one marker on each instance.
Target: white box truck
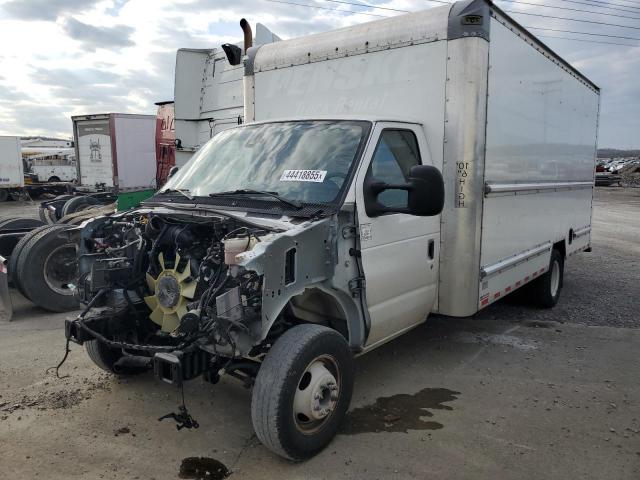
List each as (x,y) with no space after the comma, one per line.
(11,168)
(432,162)
(115,151)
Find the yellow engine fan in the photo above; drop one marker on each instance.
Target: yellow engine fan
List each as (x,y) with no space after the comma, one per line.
(171,293)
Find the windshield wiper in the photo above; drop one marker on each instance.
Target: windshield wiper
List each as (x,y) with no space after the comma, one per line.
(182,191)
(247,191)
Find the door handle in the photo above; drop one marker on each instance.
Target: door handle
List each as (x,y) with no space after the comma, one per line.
(431,249)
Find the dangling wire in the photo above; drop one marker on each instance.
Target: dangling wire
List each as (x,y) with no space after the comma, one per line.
(64,359)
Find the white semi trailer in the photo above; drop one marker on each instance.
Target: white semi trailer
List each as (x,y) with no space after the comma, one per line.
(115,151)
(11,168)
(432,162)
(208,94)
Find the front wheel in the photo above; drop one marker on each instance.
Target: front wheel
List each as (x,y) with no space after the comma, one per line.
(302,391)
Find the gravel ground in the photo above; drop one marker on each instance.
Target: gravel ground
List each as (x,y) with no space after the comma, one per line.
(601,287)
(511,393)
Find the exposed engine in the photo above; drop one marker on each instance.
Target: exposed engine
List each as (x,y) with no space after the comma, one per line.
(159,283)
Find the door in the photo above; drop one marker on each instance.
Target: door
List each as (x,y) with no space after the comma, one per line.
(399,251)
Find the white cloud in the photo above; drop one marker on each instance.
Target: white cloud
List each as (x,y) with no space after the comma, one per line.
(65,57)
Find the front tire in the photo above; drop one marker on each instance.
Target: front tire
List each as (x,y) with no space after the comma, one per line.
(103,356)
(302,391)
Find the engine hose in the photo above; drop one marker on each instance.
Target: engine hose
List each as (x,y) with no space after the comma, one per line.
(132,346)
(156,244)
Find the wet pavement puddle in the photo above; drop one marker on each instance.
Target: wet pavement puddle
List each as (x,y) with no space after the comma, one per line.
(399,413)
(202,468)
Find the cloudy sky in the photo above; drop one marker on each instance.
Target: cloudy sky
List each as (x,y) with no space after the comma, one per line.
(67,57)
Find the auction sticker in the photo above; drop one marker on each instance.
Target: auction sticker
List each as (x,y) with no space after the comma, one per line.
(303,176)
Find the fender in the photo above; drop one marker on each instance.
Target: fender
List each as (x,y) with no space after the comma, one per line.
(301,258)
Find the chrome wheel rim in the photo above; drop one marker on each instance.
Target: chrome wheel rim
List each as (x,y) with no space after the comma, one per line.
(61,269)
(317,394)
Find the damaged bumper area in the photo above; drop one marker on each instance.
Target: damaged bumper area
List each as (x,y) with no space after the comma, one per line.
(186,295)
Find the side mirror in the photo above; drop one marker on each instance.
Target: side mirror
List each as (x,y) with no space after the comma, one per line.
(172,172)
(233,53)
(425,189)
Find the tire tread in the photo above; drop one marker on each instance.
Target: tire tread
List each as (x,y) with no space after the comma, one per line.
(267,399)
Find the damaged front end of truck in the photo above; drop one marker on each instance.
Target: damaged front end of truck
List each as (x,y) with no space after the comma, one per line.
(188,294)
(205,278)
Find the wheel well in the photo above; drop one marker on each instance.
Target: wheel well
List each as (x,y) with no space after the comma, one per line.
(561,247)
(316,306)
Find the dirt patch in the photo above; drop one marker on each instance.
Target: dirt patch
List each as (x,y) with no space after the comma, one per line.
(56,395)
(399,413)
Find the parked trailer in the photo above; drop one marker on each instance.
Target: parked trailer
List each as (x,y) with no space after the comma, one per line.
(11,168)
(116,152)
(165,141)
(54,173)
(13,183)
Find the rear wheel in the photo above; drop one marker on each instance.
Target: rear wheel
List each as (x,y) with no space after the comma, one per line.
(547,288)
(4,195)
(54,179)
(47,270)
(302,391)
(15,254)
(78,204)
(16,223)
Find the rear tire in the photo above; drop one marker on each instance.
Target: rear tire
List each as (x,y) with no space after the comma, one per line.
(295,409)
(46,269)
(547,288)
(77,204)
(53,180)
(12,267)
(15,223)
(4,195)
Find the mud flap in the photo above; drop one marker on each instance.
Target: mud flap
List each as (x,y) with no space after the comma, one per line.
(6,307)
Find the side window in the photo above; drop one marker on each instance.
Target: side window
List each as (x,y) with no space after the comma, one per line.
(396,153)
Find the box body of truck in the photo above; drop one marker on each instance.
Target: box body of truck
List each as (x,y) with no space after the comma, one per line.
(11,168)
(115,151)
(510,124)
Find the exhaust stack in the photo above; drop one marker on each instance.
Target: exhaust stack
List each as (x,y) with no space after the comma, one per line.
(248,81)
(248,35)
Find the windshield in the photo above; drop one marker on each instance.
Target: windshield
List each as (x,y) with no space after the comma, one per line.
(304,161)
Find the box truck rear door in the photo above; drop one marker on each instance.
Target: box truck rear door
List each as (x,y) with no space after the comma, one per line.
(399,251)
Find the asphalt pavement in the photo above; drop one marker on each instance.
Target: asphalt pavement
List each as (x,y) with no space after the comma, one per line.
(511,393)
